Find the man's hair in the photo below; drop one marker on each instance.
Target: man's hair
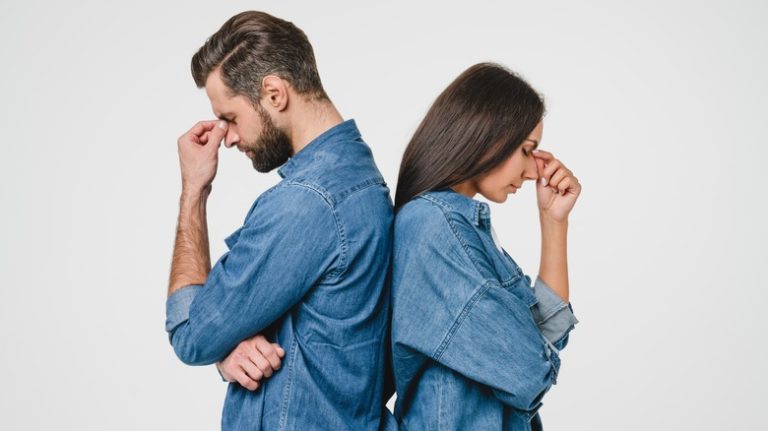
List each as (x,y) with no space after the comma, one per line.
(252,45)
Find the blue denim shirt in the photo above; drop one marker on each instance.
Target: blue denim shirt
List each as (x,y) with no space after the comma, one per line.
(474,344)
(307,269)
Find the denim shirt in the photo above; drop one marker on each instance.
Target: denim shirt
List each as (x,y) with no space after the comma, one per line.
(474,345)
(307,269)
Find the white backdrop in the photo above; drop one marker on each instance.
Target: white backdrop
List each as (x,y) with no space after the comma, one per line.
(658,108)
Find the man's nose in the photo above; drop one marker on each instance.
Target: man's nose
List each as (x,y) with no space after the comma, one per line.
(231,139)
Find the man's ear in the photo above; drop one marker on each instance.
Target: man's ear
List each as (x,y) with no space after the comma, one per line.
(274,92)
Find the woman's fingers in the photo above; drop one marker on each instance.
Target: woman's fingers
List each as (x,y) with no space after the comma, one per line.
(545,155)
(558,176)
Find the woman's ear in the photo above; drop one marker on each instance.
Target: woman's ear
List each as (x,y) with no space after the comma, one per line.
(274,91)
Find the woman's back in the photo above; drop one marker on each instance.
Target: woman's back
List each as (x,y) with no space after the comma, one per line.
(470,334)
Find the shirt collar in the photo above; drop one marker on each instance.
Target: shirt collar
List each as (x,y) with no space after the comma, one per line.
(346,131)
(479,213)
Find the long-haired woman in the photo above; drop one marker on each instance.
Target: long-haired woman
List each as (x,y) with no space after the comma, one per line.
(475,342)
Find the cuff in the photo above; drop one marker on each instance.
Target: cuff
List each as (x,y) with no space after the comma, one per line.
(177,306)
(553,316)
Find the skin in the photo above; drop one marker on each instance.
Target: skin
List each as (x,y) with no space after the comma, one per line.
(300,119)
(556,192)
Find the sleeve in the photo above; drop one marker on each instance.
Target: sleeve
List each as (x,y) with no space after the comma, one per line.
(288,243)
(552,315)
(447,311)
(495,342)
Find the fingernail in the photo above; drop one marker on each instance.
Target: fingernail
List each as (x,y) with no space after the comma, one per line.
(537,151)
(543,181)
(222,125)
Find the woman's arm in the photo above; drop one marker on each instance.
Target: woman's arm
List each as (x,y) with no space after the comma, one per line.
(556,191)
(553,267)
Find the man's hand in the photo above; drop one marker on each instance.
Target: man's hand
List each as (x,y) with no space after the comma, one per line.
(252,360)
(199,154)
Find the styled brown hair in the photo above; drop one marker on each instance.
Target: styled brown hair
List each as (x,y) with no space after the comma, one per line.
(474,125)
(252,45)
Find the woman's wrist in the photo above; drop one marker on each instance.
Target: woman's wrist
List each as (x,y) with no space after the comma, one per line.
(548,222)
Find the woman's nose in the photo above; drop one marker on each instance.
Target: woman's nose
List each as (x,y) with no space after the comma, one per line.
(531,170)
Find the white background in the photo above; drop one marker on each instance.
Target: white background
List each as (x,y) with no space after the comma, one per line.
(657,107)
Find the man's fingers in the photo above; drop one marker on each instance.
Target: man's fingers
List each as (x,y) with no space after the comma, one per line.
(279,350)
(202,127)
(245,381)
(252,370)
(268,350)
(257,358)
(217,133)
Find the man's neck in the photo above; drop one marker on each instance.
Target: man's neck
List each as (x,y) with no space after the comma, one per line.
(315,118)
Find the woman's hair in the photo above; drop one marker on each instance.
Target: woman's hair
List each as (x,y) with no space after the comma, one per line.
(474,125)
(252,45)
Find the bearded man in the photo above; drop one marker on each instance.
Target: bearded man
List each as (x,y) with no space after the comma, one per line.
(295,314)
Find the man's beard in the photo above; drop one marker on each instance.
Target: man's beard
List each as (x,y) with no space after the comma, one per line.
(272,147)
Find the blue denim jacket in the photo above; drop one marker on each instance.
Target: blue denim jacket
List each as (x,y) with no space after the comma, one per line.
(307,269)
(474,345)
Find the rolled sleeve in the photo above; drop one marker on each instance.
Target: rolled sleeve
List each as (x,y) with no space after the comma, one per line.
(287,244)
(552,315)
(177,306)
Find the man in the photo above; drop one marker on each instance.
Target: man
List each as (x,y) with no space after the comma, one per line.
(306,271)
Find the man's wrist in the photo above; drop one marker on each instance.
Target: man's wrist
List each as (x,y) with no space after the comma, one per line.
(195,192)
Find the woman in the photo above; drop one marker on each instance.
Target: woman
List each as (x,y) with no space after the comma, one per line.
(475,344)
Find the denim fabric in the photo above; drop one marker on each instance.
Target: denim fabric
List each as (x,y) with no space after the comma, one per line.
(307,269)
(475,346)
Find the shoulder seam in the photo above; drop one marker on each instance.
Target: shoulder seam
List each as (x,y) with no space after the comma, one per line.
(328,199)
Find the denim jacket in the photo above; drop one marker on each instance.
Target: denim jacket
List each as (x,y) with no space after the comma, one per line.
(307,269)
(475,346)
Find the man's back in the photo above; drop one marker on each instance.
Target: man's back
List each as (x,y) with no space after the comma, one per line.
(313,257)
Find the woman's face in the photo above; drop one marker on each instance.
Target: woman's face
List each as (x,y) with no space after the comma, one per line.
(506,178)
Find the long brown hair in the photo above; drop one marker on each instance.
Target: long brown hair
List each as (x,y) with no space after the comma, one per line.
(475,124)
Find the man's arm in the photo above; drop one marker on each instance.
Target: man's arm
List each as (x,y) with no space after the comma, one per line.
(191,256)
(198,156)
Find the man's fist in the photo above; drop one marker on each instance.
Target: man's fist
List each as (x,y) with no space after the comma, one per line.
(199,154)
(252,360)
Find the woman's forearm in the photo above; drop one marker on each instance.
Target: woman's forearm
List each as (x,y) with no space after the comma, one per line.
(553,268)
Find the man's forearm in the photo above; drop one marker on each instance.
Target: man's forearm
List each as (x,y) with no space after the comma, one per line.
(191,257)
(553,268)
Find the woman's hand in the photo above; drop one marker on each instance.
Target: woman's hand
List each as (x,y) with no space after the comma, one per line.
(556,188)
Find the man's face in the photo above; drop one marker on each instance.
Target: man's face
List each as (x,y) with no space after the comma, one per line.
(251,130)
